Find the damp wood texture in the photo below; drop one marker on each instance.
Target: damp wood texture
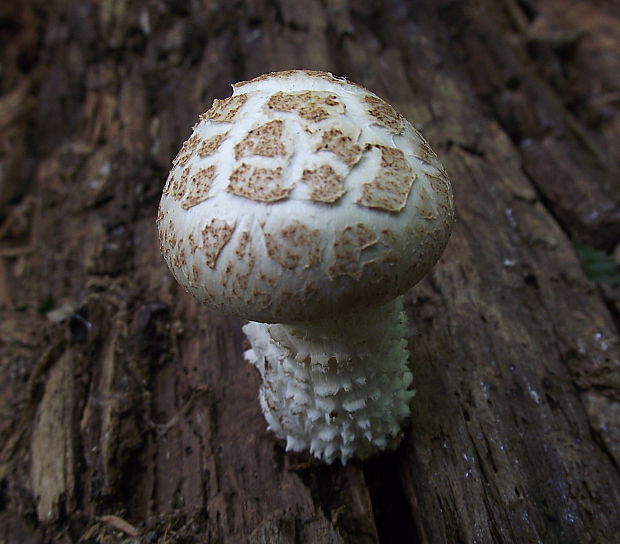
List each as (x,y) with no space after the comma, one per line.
(127,411)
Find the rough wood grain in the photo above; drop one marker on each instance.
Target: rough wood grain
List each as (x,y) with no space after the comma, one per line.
(130,410)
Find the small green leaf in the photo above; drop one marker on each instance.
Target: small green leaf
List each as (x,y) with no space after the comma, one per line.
(179,500)
(597,265)
(46,305)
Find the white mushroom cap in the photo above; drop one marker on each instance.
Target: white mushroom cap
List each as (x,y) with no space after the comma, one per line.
(302,196)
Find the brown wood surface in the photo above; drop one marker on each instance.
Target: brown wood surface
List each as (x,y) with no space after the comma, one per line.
(128,413)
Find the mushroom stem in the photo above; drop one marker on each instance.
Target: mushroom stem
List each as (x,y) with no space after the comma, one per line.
(338,387)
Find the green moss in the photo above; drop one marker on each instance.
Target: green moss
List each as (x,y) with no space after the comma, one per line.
(597,265)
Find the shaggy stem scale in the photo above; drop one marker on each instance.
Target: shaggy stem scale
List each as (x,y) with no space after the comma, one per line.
(337,387)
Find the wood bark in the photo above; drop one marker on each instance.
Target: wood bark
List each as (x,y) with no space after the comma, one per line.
(127,412)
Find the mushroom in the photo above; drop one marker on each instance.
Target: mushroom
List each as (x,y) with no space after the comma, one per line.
(307,205)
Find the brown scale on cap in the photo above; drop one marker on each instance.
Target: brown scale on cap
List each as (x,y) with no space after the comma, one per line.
(294,245)
(390,239)
(431,232)
(186,151)
(225,110)
(390,258)
(266,279)
(243,244)
(423,205)
(160,214)
(428,233)
(162,239)
(211,145)
(260,184)
(348,245)
(425,153)
(179,259)
(384,115)
(241,282)
(179,183)
(215,236)
(325,184)
(193,245)
(166,190)
(312,106)
(292,302)
(261,299)
(168,245)
(194,278)
(441,186)
(169,233)
(164,247)
(264,140)
(392,184)
(439,182)
(382,274)
(181,160)
(242,259)
(342,145)
(199,187)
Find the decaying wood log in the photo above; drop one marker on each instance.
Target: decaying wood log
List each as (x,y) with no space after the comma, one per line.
(127,412)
